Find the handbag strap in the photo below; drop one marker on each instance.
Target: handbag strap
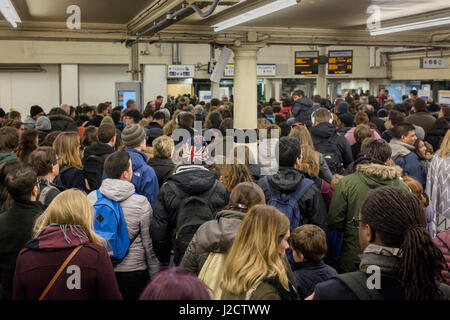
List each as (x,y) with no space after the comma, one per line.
(58,273)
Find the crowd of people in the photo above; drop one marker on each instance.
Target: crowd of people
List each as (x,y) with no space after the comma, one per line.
(111,203)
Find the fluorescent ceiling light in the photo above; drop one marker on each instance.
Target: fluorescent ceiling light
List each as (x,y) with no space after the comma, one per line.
(411,26)
(8,11)
(255,13)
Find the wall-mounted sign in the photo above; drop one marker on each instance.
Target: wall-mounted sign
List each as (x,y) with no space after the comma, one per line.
(434,63)
(180,71)
(306,62)
(340,61)
(444,97)
(262,70)
(424,94)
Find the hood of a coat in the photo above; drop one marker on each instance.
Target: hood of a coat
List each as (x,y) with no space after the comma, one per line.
(437,132)
(4,157)
(193,179)
(29,120)
(138,158)
(59,237)
(304,102)
(117,190)
(323,130)
(218,235)
(375,174)
(400,149)
(286,179)
(160,162)
(98,149)
(58,114)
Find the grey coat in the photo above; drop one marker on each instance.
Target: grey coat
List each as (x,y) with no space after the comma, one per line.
(138,214)
(212,236)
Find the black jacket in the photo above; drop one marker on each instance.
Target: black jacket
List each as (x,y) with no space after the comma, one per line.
(435,137)
(163,168)
(16,228)
(96,121)
(79,120)
(191,179)
(387,135)
(308,274)
(312,206)
(92,172)
(153,131)
(325,131)
(61,121)
(302,110)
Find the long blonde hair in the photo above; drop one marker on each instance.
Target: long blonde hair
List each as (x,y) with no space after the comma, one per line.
(302,133)
(70,207)
(66,147)
(444,150)
(254,254)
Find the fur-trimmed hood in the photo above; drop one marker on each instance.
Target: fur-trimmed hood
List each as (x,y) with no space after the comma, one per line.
(382,172)
(55,117)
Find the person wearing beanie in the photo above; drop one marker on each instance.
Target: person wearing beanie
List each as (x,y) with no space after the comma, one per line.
(144,177)
(35,113)
(43,125)
(342,108)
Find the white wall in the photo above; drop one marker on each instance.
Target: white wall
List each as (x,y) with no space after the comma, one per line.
(97,82)
(21,90)
(154,82)
(69,84)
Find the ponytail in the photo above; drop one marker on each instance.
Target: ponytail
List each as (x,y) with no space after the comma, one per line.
(402,224)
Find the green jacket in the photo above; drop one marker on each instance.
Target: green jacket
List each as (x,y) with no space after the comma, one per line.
(264,291)
(348,197)
(5,157)
(61,121)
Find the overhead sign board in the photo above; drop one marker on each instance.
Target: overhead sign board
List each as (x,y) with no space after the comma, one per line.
(340,61)
(262,70)
(434,63)
(180,71)
(444,97)
(306,62)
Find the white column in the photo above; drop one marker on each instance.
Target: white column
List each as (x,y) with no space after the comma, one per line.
(268,89)
(321,80)
(215,90)
(69,84)
(277,87)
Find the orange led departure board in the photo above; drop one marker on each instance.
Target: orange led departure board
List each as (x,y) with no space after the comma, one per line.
(340,61)
(306,62)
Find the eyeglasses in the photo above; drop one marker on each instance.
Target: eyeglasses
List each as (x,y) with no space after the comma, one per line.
(356,222)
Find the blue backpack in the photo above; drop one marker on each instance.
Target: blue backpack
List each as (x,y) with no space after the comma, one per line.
(110,224)
(288,203)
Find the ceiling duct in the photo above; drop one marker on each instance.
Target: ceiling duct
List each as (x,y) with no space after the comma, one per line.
(21,68)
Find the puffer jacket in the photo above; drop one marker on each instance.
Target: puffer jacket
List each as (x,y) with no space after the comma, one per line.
(348,197)
(193,180)
(404,156)
(163,168)
(213,236)
(302,111)
(144,177)
(138,215)
(61,121)
(442,240)
(312,206)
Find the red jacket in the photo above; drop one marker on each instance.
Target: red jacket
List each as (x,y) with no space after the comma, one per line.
(442,240)
(40,260)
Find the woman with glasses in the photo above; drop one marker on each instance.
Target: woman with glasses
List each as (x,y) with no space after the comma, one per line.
(399,260)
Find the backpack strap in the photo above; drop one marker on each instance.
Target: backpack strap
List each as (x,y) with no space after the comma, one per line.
(357,282)
(301,190)
(272,190)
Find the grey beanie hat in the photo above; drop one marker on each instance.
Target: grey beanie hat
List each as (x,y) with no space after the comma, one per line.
(132,136)
(43,123)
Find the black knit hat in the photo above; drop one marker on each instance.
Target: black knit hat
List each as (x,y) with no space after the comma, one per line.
(2,113)
(35,110)
(132,136)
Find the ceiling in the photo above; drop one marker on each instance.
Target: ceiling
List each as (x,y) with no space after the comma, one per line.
(319,19)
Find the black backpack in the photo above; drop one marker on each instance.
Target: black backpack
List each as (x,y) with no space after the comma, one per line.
(331,153)
(58,179)
(93,170)
(194,210)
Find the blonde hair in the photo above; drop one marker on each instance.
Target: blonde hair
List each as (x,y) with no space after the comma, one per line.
(310,161)
(163,147)
(444,150)
(107,119)
(66,147)
(70,207)
(302,133)
(254,254)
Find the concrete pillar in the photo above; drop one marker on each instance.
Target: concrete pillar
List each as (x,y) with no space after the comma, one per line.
(268,89)
(321,80)
(277,88)
(215,90)
(134,63)
(69,84)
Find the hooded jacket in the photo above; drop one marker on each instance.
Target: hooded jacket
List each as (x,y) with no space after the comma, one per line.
(163,168)
(312,206)
(43,256)
(442,240)
(96,121)
(404,156)
(213,236)
(193,180)
(138,215)
(144,177)
(61,121)
(5,157)
(422,119)
(29,123)
(97,149)
(326,131)
(16,227)
(348,197)
(302,110)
